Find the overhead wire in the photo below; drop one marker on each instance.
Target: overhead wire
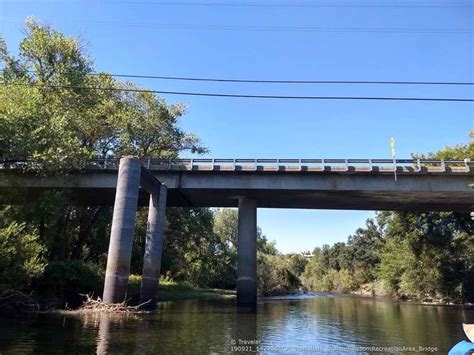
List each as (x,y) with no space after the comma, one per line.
(295,4)
(280,81)
(248,96)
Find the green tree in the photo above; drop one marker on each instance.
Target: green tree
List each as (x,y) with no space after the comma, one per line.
(296,263)
(428,254)
(20,256)
(363,252)
(48,116)
(226,226)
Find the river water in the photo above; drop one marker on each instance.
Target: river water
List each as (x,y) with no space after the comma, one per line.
(293,324)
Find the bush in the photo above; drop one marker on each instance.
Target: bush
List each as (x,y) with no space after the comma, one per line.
(423,279)
(296,264)
(20,257)
(331,281)
(343,281)
(273,276)
(67,279)
(409,275)
(396,258)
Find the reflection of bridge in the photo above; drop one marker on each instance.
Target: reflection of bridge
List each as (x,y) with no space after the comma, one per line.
(365,184)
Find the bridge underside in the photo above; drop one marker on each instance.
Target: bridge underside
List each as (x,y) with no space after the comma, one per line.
(411,192)
(301,199)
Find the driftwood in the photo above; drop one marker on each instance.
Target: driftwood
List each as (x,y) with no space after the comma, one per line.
(97,305)
(16,300)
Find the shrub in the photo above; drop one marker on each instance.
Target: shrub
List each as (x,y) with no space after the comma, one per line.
(396,258)
(343,281)
(332,281)
(273,276)
(20,256)
(69,278)
(296,264)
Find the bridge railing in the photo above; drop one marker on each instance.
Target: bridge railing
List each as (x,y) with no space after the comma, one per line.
(309,164)
(209,164)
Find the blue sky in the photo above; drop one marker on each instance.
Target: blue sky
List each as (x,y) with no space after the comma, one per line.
(410,41)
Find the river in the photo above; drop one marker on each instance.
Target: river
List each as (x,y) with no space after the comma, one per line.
(291,324)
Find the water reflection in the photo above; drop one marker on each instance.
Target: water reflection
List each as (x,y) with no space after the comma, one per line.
(205,326)
(245,338)
(103,337)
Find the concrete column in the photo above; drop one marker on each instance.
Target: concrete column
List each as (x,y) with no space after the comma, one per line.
(153,249)
(247,254)
(123,228)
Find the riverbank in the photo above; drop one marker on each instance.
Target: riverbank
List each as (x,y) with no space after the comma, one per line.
(376,289)
(31,302)
(172,290)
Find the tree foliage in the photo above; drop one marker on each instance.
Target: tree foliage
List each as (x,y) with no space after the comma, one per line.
(20,256)
(50,115)
(49,112)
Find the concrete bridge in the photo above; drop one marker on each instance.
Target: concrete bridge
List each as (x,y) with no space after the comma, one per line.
(356,184)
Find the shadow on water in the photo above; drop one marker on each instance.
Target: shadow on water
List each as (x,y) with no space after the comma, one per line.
(292,324)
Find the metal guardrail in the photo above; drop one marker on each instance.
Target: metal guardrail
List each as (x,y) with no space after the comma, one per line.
(207,164)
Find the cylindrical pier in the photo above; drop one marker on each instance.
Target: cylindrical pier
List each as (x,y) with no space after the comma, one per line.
(123,228)
(153,249)
(247,254)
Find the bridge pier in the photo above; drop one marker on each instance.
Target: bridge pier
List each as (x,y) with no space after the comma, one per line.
(247,254)
(153,249)
(123,228)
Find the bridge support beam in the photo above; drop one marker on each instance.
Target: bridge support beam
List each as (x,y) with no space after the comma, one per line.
(247,255)
(153,249)
(123,228)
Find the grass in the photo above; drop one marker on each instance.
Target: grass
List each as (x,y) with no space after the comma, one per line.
(173,290)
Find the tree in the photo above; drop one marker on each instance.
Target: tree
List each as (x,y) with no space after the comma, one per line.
(363,252)
(296,263)
(226,226)
(49,115)
(20,256)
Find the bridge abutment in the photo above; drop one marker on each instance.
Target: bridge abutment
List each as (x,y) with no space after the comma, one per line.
(153,249)
(247,254)
(123,228)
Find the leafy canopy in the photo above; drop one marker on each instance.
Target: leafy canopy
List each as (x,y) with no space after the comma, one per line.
(47,114)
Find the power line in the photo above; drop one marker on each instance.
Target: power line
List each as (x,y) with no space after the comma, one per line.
(278,81)
(260,81)
(283,97)
(292,4)
(295,29)
(218,27)
(329,3)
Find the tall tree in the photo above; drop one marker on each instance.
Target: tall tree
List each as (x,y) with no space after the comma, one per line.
(55,111)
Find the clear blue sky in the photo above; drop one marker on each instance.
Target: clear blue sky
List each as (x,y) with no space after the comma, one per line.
(146,37)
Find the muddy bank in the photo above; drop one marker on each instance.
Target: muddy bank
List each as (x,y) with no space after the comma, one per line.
(376,289)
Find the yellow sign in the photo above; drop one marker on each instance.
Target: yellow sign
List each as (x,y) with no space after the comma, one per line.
(392,145)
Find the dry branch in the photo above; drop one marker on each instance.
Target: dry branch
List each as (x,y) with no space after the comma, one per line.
(92,305)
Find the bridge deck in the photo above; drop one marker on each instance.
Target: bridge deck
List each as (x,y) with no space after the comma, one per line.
(310,165)
(439,186)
